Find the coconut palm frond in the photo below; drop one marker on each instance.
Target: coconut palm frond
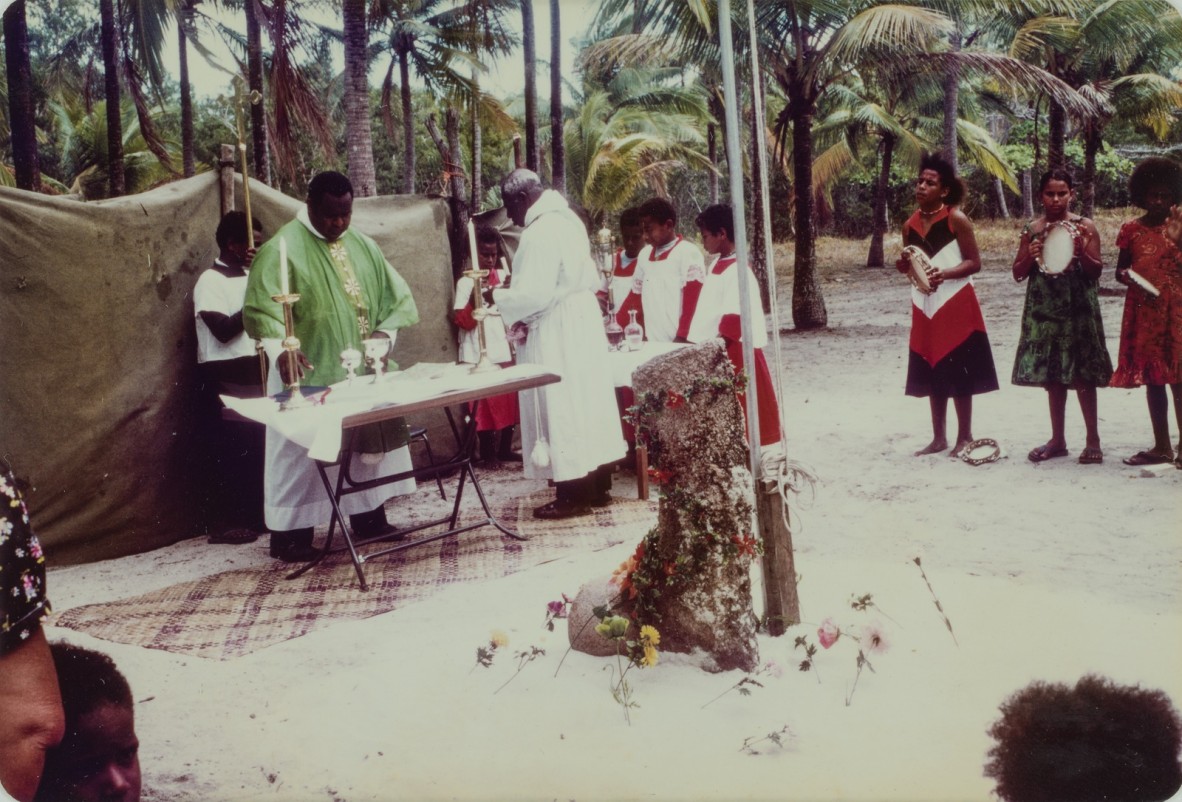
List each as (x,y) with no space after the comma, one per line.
(888,27)
(831,164)
(986,152)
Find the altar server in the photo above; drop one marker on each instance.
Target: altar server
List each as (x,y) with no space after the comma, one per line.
(229,365)
(716,314)
(673,272)
(552,298)
(348,293)
(627,279)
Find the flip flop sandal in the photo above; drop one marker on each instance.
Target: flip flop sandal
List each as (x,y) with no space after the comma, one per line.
(1146,458)
(1091,456)
(1043,453)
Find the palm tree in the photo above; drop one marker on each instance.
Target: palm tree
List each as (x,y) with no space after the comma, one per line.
(254,80)
(110,45)
(1115,54)
(183,28)
(356,99)
(529,48)
(557,153)
(20,101)
(632,135)
(435,41)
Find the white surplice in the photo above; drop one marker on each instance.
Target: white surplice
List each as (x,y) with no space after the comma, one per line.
(553,291)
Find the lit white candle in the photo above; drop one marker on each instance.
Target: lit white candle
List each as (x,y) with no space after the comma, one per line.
(284,284)
(472,245)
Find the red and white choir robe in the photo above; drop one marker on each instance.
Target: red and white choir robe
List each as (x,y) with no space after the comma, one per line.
(716,314)
(553,292)
(672,280)
(627,285)
(498,411)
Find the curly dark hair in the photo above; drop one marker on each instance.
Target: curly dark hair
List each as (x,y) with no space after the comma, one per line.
(1155,171)
(1096,741)
(948,177)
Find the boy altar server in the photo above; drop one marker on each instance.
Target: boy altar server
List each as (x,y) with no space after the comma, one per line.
(673,273)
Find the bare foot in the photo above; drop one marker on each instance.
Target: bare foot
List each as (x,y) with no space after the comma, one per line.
(934,447)
(958,450)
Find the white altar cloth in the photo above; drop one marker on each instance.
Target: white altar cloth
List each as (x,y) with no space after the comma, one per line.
(318,428)
(624,362)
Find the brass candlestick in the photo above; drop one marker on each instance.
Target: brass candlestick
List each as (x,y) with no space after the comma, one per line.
(291,344)
(481,313)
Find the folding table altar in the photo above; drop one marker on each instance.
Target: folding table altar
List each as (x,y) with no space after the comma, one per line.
(328,430)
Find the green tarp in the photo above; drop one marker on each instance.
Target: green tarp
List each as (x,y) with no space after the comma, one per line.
(98,381)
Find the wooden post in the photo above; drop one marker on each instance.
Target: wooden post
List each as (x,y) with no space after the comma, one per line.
(781,603)
(226,160)
(642,472)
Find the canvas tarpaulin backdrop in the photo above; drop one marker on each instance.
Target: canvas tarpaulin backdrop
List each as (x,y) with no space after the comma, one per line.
(98,382)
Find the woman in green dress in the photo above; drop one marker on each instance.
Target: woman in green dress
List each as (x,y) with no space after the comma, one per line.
(1061,345)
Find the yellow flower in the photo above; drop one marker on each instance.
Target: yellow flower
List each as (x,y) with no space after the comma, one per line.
(650,656)
(649,635)
(499,639)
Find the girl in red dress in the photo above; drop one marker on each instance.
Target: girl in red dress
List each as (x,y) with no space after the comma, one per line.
(1151,330)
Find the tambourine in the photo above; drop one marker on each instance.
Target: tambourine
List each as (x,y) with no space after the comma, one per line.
(1058,247)
(981,451)
(921,271)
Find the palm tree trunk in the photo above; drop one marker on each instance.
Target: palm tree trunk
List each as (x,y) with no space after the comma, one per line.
(999,194)
(758,253)
(1056,136)
(808,305)
(951,103)
(258,111)
(1092,141)
(557,146)
(408,126)
(20,97)
(712,151)
(110,45)
(529,47)
(477,149)
(1027,194)
(875,258)
(451,127)
(188,162)
(357,115)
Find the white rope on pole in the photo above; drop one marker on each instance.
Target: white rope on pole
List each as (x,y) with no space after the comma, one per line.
(766,194)
(735,174)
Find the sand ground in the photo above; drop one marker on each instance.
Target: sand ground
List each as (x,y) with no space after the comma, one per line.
(1045,572)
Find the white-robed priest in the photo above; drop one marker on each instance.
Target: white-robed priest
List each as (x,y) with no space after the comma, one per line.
(348,292)
(552,297)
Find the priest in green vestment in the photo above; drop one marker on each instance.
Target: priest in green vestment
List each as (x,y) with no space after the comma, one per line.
(348,293)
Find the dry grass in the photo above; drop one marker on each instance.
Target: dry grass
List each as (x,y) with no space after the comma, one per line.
(838,257)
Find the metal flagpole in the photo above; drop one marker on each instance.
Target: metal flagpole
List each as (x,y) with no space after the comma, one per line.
(735,168)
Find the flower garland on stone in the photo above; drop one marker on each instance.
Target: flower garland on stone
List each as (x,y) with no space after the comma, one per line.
(645,575)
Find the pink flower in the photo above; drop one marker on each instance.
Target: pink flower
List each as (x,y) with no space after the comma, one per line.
(828,633)
(873,639)
(557,609)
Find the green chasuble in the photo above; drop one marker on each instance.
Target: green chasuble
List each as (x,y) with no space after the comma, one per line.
(347,291)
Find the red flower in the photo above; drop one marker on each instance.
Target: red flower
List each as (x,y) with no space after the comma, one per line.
(670,568)
(674,400)
(659,476)
(745,544)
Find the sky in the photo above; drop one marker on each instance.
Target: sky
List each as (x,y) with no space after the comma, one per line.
(505,78)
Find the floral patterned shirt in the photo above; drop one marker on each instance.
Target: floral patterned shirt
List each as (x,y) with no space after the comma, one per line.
(22,569)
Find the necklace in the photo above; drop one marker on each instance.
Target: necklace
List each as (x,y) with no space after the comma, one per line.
(934,211)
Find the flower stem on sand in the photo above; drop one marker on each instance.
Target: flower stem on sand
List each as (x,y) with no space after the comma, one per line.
(939,607)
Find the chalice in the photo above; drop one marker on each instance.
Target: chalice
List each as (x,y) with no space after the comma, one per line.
(350,361)
(376,349)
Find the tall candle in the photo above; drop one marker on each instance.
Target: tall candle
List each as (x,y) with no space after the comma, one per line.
(472,245)
(284,282)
